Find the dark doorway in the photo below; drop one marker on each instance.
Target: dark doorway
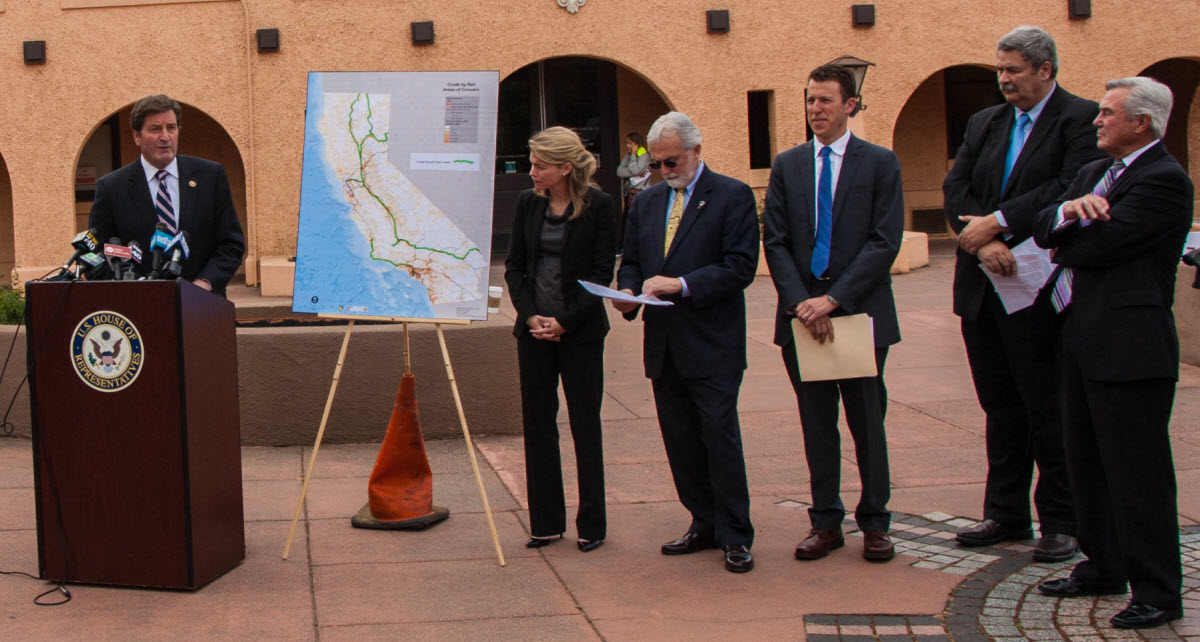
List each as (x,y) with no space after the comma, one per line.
(578,93)
(1182,76)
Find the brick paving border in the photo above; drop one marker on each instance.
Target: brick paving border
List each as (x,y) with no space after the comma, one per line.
(999,601)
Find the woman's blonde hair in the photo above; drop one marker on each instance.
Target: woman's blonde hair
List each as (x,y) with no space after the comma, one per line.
(559,146)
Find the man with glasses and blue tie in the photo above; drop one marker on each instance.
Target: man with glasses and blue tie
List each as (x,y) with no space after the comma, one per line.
(1015,158)
(180,193)
(1117,233)
(833,223)
(693,240)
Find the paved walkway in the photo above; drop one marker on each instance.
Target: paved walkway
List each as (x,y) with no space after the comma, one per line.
(445,583)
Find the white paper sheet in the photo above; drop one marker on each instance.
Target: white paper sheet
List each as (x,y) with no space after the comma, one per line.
(609,293)
(1017,292)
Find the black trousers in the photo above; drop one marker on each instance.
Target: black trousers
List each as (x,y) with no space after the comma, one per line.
(1123,475)
(580,365)
(865,401)
(1017,394)
(703,440)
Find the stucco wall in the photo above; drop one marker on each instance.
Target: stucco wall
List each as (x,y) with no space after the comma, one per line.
(98,62)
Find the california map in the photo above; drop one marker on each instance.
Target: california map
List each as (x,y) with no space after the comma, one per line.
(403,228)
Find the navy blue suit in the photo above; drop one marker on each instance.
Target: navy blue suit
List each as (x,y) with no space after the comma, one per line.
(1118,360)
(695,350)
(868,224)
(123,209)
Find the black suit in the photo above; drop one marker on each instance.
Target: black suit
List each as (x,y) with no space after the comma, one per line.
(868,224)
(578,358)
(123,208)
(1015,391)
(1118,360)
(695,350)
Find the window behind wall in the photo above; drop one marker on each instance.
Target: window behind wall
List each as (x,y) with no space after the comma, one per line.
(759,105)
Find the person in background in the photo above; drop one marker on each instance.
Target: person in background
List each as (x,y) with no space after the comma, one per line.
(562,233)
(634,172)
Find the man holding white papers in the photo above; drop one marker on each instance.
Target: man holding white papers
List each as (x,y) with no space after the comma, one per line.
(1015,158)
(833,223)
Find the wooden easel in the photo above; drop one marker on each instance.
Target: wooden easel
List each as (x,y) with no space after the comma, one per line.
(462,418)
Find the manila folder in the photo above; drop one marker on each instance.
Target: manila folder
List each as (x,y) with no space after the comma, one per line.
(851,354)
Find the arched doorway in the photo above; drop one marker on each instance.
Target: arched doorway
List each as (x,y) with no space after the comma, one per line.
(1182,75)
(7,245)
(927,135)
(111,147)
(600,100)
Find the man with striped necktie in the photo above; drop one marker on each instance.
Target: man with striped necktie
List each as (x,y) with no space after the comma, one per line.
(180,192)
(1117,233)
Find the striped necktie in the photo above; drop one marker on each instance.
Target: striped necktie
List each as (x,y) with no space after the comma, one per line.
(1060,298)
(162,202)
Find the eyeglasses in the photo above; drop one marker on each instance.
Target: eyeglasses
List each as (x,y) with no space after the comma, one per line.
(670,163)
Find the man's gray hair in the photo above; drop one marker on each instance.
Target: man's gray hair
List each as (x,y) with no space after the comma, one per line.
(1147,97)
(1035,46)
(676,123)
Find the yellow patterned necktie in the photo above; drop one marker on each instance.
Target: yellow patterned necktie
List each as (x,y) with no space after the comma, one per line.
(673,220)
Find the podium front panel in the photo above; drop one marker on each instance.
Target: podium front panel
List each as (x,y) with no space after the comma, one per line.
(110,443)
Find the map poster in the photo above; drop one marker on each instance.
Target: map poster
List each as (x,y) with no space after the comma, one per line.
(396,194)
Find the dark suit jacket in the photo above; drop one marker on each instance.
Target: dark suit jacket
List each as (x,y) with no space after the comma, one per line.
(1124,268)
(588,254)
(1062,140)
(715,250)
(123,209)
(868,225)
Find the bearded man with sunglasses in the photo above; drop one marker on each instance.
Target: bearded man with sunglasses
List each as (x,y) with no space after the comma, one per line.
(693,240)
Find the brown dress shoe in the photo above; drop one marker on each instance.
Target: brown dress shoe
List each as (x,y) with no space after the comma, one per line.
(1055,548)
(877,546)
(819,543)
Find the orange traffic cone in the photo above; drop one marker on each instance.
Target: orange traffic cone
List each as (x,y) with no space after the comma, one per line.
(400,491)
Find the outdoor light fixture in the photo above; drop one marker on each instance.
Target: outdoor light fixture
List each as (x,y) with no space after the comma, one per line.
(35,52)
(268,40)
(718,20)
(422,33)
(863,14)
(858,67)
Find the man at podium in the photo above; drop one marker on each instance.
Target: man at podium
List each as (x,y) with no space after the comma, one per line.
(181,196)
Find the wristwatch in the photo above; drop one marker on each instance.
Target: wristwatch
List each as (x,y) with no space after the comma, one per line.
(831,300)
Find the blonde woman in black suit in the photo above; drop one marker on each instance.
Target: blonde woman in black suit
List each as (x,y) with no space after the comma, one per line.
(562,232)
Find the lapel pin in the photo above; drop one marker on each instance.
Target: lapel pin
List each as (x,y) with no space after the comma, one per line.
(191,183)
(700,206)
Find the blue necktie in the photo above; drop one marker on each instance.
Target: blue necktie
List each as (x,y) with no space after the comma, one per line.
(1020,132)
(820,257)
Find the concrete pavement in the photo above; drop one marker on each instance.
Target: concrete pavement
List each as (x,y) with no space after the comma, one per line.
(445,583)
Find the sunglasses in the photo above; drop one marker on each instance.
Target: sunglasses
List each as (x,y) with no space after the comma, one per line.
(670,163)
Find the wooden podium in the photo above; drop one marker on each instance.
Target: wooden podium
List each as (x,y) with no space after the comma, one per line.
(136,441)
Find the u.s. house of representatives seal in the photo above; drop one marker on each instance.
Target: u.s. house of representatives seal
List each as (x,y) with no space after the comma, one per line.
(106,351)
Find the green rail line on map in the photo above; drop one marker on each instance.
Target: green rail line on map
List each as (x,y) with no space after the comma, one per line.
(361,180)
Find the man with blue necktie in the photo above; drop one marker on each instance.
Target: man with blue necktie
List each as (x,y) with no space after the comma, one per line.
(1015,158)
(833,223)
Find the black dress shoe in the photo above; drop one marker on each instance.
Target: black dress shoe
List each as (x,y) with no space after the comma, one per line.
(1144,616)
(689,543)
(1055,548)
(989,531)
(538,542)
(1072,586)
(589,545)
(738,559)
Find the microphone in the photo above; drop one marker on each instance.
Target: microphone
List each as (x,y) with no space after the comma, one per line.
(83,242)
(89,262)
(114,252)
(158,244)
(179,253)
(135,253)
